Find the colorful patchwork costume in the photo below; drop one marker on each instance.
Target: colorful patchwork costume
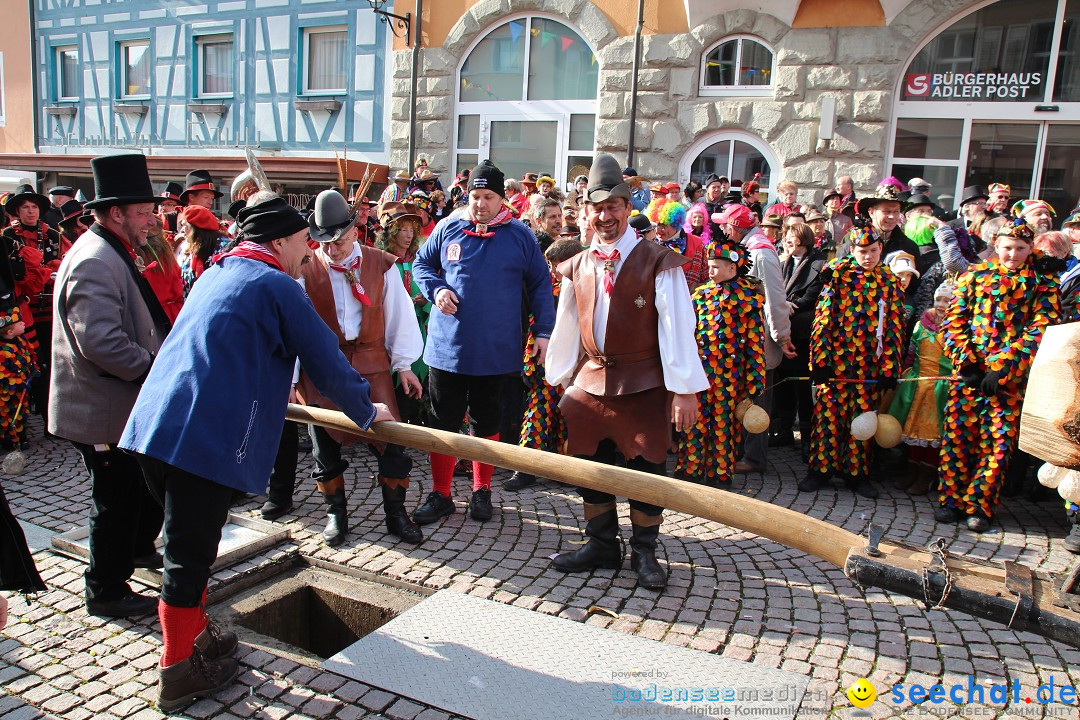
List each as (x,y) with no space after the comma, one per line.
(543,426)
(857,335)
(993,328)
(17,370)
(731,342)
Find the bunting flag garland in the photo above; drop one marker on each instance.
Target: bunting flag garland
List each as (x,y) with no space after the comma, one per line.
(515,31)
(566,43)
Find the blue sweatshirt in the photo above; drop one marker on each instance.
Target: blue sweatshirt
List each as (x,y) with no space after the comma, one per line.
(485,335)
(214,402)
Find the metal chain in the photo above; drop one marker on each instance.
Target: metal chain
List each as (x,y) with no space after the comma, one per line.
(940,553)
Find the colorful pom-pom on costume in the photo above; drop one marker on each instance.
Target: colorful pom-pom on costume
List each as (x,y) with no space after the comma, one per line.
(731,343)
(857,334)
(994,326)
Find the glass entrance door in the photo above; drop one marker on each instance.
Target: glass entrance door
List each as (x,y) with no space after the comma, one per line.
(1003,153)
(520,146)
(1059,179)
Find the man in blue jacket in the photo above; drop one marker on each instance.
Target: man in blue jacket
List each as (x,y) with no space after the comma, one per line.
(209,416)
(476,267)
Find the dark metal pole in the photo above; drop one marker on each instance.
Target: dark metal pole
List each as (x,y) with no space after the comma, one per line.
(412,86)
(634,81)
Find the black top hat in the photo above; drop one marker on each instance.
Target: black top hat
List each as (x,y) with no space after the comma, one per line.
(121,180)
(199,180)
(918,199)
(972,193)
(71,210)
(22,194)
(63,190)
(172,191)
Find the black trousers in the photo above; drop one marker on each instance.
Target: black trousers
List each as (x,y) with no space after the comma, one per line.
(607,453)
(196,509)
(283,477)
(124,521)
(452,394)
(393,462)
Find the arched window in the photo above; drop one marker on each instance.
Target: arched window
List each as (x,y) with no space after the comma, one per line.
(737,65)
(527,99)
(734,154)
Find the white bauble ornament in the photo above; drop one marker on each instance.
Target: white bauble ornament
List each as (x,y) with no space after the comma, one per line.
(864,426)
(1051,475)
(1069,488)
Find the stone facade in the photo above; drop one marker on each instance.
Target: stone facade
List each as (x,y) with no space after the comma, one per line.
(858,67)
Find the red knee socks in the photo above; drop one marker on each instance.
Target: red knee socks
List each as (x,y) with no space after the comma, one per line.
(481,472)
(442,472)
(179,628)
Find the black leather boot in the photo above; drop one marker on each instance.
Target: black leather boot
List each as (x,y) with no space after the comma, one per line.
(1072,540)
(337,525)
(398,521)
(643,545)
(602,550)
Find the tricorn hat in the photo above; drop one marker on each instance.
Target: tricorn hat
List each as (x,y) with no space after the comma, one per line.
(199,180)
(331,218)
(22,194)
(121,180)
(71,210)
(172,191)
(606,180)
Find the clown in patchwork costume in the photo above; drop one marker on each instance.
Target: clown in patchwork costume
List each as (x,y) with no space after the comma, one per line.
(857,337)
(731,342)
(992,331)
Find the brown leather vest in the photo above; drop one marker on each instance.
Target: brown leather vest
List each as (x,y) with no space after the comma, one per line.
(367,352)
(631,361)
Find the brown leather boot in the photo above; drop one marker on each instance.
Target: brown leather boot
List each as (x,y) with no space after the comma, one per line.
(193,678)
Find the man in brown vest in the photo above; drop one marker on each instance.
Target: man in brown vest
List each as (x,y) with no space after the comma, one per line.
(358,293)
(624,346)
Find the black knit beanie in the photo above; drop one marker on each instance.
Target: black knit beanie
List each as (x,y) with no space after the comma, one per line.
(487,177)
(269,220)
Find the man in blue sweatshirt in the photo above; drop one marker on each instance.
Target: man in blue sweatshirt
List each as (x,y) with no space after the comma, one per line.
(475,268)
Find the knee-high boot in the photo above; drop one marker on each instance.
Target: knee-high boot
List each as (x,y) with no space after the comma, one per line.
(602,550)
(337,524)
(398,521)
(643,545)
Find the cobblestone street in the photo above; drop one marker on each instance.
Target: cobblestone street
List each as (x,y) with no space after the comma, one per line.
(730,593)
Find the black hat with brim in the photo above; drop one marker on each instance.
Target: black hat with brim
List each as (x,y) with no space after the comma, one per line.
(21,195)
(71,210)
(236,207)
(121,180)
(199,180)
(272,219)
(884,193)
(972,193)
(918,200)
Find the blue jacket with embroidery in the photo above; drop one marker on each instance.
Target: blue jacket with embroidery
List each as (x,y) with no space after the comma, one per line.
(214,402)
(486,335)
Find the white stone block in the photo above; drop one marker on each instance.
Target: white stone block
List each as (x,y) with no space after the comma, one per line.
(856,138)
(655,165)
(151,14)
(795,143)
(682,82)
(877,76)
(871,105)
(99,46)
(612,134)
(188,10)
(224,7)
(766,119)
(814,172)
(696,118)
(434,133)
(807,47)
(872,45)
(594,26)
(829,77)
(667,137)
(788,82)
(734,113)
(667,50)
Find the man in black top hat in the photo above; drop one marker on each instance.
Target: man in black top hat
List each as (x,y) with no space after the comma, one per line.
(171,201)
(200,190)
(109,325)
(32,252)
(57,196)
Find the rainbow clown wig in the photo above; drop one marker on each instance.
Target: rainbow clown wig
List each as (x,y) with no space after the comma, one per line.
(667,212)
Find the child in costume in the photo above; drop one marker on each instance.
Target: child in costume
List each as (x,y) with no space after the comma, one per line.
(17,370)
(857,335)
(992,331)
(731,342)
(543,427)
(919,407)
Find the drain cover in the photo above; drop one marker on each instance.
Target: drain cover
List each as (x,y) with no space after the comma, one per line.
(489,661)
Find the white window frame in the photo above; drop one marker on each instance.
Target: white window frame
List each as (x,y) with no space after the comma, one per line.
(559,111)
(3,93)
(57,52)
(736,90)
(122,68)
(201,42)
(305,59)
(708,140)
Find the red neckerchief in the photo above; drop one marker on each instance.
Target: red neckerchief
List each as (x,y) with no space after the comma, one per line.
(353,279)
(254,251)
(406,271)
(485,231)
(609,267)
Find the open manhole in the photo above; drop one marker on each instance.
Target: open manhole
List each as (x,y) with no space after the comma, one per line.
(312,611)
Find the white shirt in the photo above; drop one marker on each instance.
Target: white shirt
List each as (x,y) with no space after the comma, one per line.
(404,343)
(683,374)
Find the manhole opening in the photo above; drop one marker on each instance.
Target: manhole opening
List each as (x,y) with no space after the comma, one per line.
(315,611)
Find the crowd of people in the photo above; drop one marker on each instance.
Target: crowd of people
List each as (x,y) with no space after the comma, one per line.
(624,321)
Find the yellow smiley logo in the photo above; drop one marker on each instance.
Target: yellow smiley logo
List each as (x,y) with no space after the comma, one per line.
(862,693)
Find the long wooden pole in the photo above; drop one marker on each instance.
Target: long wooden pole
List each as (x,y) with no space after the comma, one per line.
(788,527)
